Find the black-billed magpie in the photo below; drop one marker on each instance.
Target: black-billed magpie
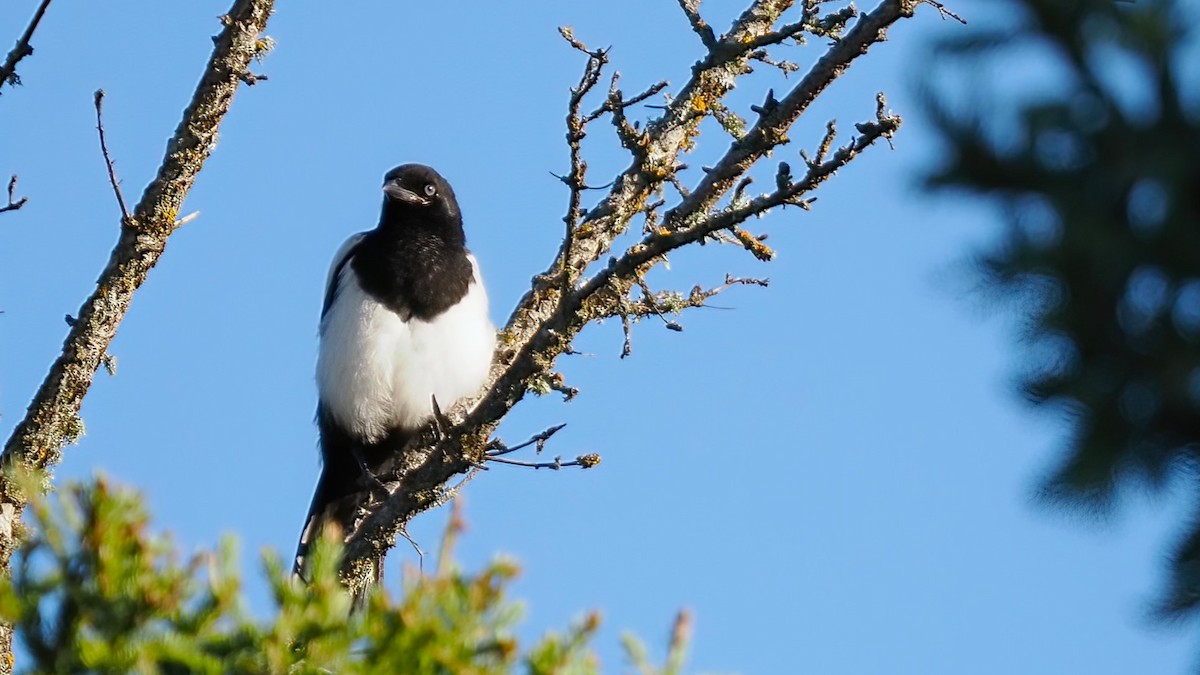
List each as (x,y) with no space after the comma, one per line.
(404,322)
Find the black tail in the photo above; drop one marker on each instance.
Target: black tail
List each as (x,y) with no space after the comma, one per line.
(334,503)
(341,489)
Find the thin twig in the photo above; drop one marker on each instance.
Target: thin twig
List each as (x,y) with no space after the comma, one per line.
(648,299)
(675,302)
(585,461)
(497,447)
(112,172)
(8,72)
(12,189)
(415,546)
(691,9)
(655,246)
(632,139)
(947,14)
(616,102)
(251,79)
(784,33)
(823,148)
(576,132)
(678,185)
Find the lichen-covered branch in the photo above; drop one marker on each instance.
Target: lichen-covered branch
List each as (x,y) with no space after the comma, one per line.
(576,180)
(52,420)
(8,71)
(562,300)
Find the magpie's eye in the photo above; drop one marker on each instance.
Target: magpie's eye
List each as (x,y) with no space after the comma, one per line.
(430,190)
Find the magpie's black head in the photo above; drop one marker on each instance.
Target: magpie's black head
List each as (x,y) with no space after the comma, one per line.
(415,192)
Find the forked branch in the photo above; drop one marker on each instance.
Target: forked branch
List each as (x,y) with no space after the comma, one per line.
(552,313)
(13,202)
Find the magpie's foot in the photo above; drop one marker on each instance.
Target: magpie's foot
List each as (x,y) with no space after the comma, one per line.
(372,481)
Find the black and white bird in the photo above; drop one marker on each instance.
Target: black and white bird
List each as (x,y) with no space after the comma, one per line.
(404,323)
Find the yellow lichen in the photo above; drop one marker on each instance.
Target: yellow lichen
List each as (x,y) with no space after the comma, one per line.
(588,461)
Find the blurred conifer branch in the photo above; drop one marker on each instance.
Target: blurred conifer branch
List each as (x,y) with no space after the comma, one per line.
(1098,180)
(95,589)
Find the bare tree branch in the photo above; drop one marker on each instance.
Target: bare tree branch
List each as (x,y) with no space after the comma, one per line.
(8,71)
(112,172)
(52,420)
(947,14)
(12,189)
(551,314)
(575,179)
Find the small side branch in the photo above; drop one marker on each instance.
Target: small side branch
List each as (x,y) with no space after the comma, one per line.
(112,172)
(650,301)
(674,302)
(784,33)
(13,203)
(656,245)
(8,72)
(251,79)
(584,461)
(947,14)
(787,192)
(662,303)
(497,446)
(752,243)
(691,9)
(822,149)
(576,131)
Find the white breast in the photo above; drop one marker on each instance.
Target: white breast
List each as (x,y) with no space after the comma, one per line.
(377,372)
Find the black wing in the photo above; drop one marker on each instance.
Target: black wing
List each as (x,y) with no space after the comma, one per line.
(340,259)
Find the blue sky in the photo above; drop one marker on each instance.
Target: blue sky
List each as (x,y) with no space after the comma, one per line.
(832,473)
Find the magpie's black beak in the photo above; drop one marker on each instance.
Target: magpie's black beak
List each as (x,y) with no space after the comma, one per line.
(393,191)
